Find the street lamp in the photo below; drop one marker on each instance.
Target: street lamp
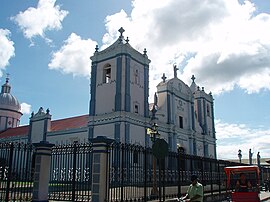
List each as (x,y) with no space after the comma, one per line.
(153,133)
(240,155)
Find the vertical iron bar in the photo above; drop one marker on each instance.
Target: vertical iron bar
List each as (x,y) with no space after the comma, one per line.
(163,177)
(179,172)
(74,171)
(145,173)
(122,172)
(159,180)
(219,180)
(211,177)
(202,171)
(9,171)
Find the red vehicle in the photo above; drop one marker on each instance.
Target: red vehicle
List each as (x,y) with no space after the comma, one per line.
(243,181)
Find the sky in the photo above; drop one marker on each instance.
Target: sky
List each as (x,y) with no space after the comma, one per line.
(45,47)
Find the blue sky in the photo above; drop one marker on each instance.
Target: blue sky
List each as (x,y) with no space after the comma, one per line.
(45,46)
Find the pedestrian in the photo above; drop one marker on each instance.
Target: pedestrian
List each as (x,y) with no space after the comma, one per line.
(243,185)
(195,191)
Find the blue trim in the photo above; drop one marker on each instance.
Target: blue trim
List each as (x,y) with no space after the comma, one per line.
(199,104)
(146,90)
(118,96)
(192,117)
(194,147)
(127,85)
(92,107)
(117,132)
(168,108)
(213,121)
(174,141)
(206,150)
(45,129)
(127,133)
(205,116)
(173,110)
(30,132)
(170,142)
(190,146)
(6,126)
(90,133)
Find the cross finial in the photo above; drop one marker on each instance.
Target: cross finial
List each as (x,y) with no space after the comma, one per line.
(193,78)
(121,30)
(96,48)
(175,70)
(144,51)
(127,40)
(163,77)
(7,78)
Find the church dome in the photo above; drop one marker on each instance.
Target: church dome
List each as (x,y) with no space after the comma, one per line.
(8,101)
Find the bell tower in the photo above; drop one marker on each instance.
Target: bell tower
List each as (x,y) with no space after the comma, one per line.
(119,92)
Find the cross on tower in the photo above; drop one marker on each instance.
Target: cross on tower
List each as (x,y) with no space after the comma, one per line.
(193,78)
(163,77)
(7,78)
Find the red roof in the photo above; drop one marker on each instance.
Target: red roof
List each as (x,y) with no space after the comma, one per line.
(57,125)
(12,132)
(69,123)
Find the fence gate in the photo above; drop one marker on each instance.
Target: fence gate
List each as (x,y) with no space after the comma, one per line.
(71,173)
(16,171)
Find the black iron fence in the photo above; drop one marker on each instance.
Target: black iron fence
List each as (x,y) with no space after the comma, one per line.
(16,171)
(71,174)
(136,175)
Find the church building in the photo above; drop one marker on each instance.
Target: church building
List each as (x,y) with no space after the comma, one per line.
(119,109)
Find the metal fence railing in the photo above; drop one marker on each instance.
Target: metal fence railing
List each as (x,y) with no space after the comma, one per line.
(71,173)
(16,171)
(135,174)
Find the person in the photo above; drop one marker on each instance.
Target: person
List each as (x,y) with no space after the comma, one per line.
(243,185)
(195,191)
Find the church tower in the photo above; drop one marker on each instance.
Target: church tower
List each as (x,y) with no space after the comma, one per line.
(10,108)
(204,113)
(119,92)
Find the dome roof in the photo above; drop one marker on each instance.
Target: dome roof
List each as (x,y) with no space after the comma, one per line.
(8,101)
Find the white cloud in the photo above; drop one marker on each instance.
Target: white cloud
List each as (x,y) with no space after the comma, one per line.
(232,137)
(224,43)
(73,56)
(25,108)
(7,49)
(36,21)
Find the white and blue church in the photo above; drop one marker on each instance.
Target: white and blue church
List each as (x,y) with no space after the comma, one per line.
(119,108)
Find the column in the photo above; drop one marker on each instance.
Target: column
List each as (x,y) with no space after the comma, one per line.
(100,166)
(42,171)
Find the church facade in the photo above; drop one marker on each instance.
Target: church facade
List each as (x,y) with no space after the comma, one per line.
(119,109)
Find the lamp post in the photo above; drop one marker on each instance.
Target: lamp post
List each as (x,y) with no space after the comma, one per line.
(240,155)
(153,133)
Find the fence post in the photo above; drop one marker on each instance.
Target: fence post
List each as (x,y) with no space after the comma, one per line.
(100,172)
(42,171)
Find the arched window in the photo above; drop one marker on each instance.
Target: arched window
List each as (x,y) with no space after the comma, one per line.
(107,73)
(208,110)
